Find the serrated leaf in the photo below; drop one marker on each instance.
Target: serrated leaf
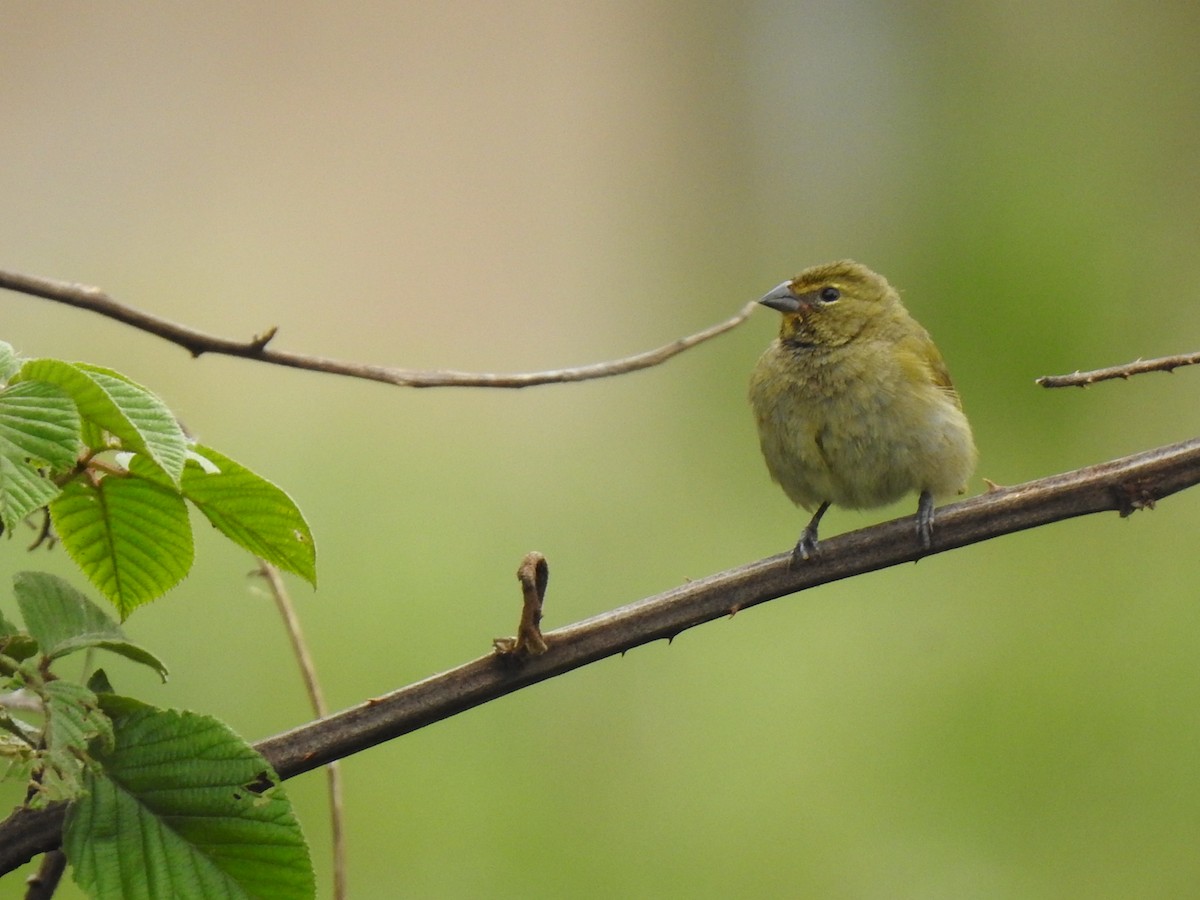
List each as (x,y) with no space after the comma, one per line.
(56,614)
(39,426)
(250,511)
(9,361)
(130,536)
(39,421)
(121,407)
(62,621)
(22,490)
(73,721)
(183,807)
(161,435)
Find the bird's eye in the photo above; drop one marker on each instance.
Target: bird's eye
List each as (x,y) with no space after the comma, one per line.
(829,294)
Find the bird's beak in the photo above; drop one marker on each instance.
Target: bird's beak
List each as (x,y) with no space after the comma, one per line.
(782,299)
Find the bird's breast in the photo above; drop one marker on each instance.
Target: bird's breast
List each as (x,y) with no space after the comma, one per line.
(855,429)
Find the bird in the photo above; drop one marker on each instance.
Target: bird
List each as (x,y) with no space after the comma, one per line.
(853,402)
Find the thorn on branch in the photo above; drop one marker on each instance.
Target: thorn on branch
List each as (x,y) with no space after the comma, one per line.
(260,341)
(1132,496)
(533,574)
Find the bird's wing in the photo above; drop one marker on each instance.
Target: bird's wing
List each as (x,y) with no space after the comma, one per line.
(922,358)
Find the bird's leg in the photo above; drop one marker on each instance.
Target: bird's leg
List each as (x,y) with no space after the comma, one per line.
(925,520)
(806,547)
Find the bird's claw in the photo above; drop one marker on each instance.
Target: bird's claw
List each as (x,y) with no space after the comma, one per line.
(807,548)
(925,521)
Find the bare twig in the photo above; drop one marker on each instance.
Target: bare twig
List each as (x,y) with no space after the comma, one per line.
(534,575)
(42,884)
(1137,367)
(45,532)
(308,671)
(197,342)
(1121,485)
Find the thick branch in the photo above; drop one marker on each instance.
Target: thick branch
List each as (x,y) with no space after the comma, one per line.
(197,342)
(1137,367)
(1121,485)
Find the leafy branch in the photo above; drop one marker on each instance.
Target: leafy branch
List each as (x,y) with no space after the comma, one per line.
(109,462)
(1122,485)
(169,801)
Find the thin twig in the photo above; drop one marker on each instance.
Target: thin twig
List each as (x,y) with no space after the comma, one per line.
(197,342)
(1137,367)
(308,670)
(1121,485)
(42,884)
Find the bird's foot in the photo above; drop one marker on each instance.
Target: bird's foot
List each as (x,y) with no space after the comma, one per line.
(925,521)
(806,548)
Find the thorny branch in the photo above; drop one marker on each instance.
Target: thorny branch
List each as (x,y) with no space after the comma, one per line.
(1137,367)
(1120,485)
(197,343)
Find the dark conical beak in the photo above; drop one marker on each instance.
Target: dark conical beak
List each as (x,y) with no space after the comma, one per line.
(781,298)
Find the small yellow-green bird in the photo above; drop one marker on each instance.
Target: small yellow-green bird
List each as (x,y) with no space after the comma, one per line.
(853,401)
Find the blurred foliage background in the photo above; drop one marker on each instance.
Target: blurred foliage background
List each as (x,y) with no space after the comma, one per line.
(533,184)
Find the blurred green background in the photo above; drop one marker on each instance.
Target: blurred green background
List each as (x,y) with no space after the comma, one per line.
(529,185)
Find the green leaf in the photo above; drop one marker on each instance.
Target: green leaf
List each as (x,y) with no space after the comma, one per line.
(9,361)
(22,490)
(56,614)
(39,421)
(142,466)
(130,536)
(39,426)
(250,511)
(27,737)
(98,682)
(14,643)
(159,430)
(18,645)
(73,721)
(123,408)
(63,620)
(183,807)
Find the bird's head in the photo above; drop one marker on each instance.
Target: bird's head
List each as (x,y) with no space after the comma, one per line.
(832,304)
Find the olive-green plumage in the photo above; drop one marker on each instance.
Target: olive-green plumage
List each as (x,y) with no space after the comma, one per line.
(853,401)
